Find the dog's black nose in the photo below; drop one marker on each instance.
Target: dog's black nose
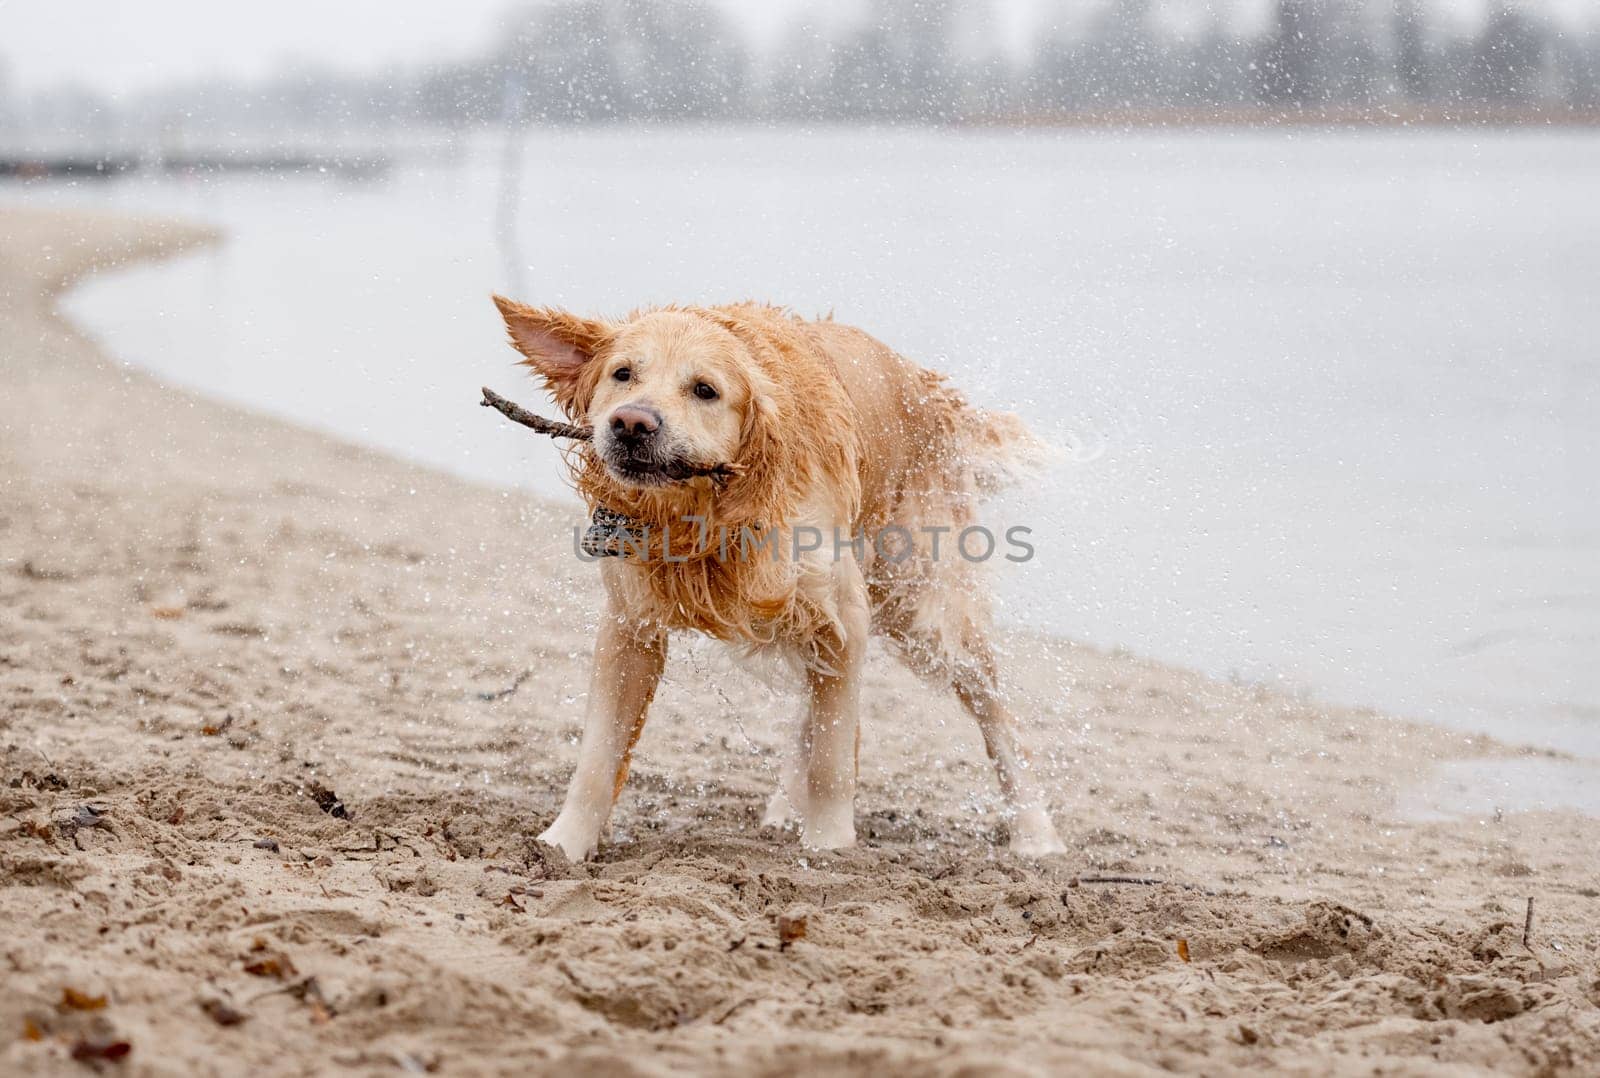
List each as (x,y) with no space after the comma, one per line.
(635,422)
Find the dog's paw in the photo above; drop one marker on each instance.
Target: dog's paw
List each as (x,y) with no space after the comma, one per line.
(1034,835)
(831,829)
(569,840)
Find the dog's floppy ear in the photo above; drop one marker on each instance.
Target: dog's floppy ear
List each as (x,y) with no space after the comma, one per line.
(556,343)
(766,458)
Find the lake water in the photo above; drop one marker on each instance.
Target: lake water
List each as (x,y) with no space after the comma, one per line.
(1333,398)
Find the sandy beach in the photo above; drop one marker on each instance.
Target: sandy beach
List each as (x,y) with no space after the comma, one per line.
(279,717)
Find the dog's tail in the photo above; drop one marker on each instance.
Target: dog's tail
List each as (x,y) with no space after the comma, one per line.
(1001,451)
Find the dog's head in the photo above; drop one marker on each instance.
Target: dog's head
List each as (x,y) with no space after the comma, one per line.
(665,391)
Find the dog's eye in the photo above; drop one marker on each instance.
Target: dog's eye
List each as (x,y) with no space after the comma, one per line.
(622,374)
(705,391)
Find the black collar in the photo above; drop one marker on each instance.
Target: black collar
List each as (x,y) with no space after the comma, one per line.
(609,531)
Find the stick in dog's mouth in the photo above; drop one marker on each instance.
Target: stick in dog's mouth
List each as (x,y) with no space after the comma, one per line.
(556,429)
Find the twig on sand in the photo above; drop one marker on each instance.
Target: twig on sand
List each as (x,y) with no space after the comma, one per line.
(729,1012)
(1527,926)
(1141,881)
(500,694)
(554,428)
(307,989)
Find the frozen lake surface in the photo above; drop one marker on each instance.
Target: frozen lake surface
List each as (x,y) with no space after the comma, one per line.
(1334,397)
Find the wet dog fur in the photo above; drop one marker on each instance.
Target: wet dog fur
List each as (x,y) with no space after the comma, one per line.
(833,433)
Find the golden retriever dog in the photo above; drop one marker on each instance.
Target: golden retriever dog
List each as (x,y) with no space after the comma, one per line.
(846,466)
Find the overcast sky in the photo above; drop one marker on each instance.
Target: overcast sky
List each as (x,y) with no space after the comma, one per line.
(116,46)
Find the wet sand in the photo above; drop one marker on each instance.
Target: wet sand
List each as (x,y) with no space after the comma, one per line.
(257,815)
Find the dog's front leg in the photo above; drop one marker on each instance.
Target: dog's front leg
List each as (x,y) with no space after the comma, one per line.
(832,735)
(628,660)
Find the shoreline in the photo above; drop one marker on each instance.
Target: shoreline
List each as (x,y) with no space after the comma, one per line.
(1546,736)
(1297,688)
(1147,538)
(210,616)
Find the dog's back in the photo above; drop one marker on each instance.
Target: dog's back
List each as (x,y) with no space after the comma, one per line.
(926,459)
(916,429)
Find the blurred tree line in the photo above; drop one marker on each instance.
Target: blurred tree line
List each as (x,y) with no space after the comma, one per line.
(936,61)
(911,61)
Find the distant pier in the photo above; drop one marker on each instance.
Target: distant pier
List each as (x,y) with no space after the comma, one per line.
(30,166)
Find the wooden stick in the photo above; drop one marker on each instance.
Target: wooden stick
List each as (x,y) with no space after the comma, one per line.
(1527,926)
(500,694)
(555,429)
(518,414)
(1141,881)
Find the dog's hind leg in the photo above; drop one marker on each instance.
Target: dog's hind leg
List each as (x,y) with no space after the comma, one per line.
(628,661)
(973,676)
(959,655)
(788,801)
